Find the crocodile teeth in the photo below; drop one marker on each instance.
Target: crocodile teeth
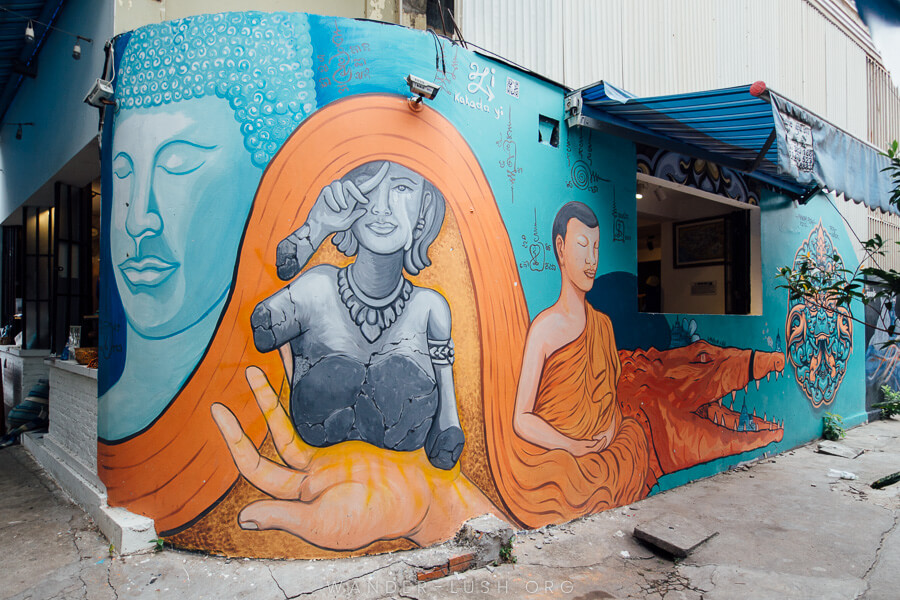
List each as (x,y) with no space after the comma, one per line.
(757,385)
(733,396)
(769,374)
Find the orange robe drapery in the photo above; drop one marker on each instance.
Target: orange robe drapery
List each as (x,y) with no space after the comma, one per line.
(577,396)
(577,391)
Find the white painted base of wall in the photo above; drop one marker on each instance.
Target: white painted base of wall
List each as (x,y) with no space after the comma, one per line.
(128,532)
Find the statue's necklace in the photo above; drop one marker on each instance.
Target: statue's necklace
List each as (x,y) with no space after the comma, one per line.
(372,315)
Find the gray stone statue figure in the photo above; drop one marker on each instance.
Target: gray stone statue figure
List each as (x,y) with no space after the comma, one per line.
(371,357)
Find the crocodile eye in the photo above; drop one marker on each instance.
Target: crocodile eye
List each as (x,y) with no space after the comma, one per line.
(702,358)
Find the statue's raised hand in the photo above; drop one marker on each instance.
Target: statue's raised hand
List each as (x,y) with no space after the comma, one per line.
(337,208)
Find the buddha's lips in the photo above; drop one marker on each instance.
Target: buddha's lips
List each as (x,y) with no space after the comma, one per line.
(147,270)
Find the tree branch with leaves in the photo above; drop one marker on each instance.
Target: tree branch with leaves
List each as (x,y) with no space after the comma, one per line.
(836,285)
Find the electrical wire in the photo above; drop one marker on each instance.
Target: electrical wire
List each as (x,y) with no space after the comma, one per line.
(46,25)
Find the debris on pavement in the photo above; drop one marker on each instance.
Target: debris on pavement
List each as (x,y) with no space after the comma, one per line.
(842,474)
(886,481)
(674,534)
(836,449)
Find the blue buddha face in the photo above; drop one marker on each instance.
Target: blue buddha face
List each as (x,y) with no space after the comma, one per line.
(182,187)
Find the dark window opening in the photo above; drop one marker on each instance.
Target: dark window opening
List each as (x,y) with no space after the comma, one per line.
(695,252)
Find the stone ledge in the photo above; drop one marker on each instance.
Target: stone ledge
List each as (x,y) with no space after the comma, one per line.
(19,351)
(86,472)
(128,532)
(72,367)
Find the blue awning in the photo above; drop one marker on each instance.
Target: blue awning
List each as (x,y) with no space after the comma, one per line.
(746,128)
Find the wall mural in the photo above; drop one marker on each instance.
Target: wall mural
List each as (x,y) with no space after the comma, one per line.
(697,173)
(882,358)
(319,339)
(818,331)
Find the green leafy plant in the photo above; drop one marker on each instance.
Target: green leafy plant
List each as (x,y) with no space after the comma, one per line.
(112,550)
(506,552)
(159,544)
(891,404)
(840,286)
(833,427)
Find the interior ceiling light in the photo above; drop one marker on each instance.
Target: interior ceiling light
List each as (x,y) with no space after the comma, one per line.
(18,128)
(29,31)
(638,196)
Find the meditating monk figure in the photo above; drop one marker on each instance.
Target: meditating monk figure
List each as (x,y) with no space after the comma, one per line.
(577,453)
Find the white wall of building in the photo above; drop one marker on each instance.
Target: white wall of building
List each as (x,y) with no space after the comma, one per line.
(655,47)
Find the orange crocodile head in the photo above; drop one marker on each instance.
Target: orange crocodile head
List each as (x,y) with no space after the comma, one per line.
(687,401)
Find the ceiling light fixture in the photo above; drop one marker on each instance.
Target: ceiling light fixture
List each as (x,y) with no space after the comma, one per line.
(18,128)
(29,31)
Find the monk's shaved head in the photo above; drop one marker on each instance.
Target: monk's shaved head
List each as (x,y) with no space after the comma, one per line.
(571,210)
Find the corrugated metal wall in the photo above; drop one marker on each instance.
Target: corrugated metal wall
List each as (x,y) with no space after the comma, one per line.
(884,107)
(527,32)
(652,47)
(887,225)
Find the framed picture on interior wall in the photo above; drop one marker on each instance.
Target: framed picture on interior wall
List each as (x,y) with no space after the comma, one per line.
(698,243)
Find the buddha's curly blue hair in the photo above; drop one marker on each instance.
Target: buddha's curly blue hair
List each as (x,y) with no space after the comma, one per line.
(261,63)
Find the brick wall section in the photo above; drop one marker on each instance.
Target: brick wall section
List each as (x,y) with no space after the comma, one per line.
(73,414)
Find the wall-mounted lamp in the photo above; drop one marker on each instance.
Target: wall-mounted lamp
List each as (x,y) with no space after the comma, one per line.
(29,31)
(18,128)
(76,50)
(421,88)
(638,196)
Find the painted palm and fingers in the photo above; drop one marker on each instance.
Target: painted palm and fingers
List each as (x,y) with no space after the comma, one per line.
(344,496)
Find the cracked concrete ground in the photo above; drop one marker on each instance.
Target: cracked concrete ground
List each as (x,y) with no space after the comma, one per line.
(786,530)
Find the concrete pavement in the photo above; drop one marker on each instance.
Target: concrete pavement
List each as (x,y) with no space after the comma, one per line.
(785,530)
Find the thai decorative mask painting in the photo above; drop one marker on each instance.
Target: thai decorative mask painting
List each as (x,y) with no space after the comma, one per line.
(819,331)
(327,332)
